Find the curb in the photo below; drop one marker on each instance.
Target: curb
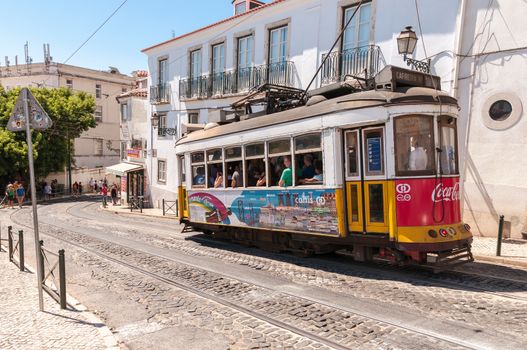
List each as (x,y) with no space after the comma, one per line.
(108,337)
(500,260)
(171,217)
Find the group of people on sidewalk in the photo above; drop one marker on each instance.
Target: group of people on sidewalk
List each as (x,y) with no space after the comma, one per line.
(13,191)
(113,193)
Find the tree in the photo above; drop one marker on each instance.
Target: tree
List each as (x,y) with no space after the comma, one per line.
(72,114)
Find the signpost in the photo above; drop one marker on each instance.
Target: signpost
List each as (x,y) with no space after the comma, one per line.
(29,114)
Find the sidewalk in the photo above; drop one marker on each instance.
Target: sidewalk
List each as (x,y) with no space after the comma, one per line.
(23,326)
(152,212)
(513,252)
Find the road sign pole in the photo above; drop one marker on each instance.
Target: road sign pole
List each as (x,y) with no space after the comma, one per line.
(33,196)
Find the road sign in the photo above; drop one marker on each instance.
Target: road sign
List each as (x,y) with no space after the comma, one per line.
(39,119)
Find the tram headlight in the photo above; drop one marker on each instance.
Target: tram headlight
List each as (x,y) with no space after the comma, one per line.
(466,227)
(452,231)
(443,232)
(432,233)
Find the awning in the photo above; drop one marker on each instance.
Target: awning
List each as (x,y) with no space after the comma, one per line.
(122,168)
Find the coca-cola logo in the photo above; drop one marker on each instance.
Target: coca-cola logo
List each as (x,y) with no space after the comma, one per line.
(444,193)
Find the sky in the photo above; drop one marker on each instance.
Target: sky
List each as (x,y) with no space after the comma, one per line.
(66,24)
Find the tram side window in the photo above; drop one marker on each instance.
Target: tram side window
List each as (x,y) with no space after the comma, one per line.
(352,146)
(280,166)
(448,145)
(255,165)
(215,168)
(198,169)
(414,145)
(308,158)
(234,167)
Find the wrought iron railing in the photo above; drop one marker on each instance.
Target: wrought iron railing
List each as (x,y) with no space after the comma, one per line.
(237,80)
(160,93)
(363,62)
(166,131)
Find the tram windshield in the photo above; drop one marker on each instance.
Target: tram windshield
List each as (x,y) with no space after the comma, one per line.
(414,145)
(448,145)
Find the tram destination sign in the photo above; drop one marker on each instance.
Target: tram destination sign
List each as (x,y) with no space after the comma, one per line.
(395,77)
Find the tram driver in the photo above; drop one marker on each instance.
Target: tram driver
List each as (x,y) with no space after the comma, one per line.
(418,159)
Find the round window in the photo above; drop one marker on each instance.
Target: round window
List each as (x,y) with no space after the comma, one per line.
(500,110)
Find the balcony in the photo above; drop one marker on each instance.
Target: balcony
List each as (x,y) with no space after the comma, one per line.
(364,62)
(160,94)
(162,132)
(237,81)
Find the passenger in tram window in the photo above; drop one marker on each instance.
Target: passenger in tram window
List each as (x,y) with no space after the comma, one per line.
(286,179)
(254,169)
(318,177)
(236,177)
(308,170)
(418,158)
(276,168)
(199,179)
(261,180)
(218,183)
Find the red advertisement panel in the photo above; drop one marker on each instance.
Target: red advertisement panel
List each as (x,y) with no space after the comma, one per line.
(426,202)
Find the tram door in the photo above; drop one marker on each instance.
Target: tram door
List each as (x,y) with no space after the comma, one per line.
(182,188)
(366,185)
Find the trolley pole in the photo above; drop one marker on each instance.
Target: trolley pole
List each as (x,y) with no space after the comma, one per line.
(33,196)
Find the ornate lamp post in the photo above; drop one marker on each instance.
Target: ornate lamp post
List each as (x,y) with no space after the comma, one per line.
(406,42)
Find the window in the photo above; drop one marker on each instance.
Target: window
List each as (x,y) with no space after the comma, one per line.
(161,170)
(98,147)
(278,45)
(255,165)
(414,145)
(308,158)
(124,153)
(240,8)
(374,146)
(280,167)
(234,166)
(245,61)
(195,64)
(163,71)
(162,125)
(124,112)
(215,168)
(358,32)
(193,118)
(98,91)
(500,110)
(352,151)
(448,145)
(218,67)
(98,113)
(197,161)
(69,83)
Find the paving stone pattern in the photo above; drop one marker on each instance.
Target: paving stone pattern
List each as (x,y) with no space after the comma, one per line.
(23,326)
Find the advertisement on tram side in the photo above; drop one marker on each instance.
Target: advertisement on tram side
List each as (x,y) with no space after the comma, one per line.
(309,210)
(428,202)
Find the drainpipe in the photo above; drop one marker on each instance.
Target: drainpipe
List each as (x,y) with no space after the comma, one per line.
(457,59)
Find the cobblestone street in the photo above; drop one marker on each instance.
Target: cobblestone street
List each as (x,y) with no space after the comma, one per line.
(157,287)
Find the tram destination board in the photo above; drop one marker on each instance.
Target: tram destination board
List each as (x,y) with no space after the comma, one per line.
(396,77)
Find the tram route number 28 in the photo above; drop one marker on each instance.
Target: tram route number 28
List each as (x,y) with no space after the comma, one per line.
(403,192)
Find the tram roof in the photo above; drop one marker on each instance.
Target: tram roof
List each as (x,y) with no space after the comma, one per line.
(363,99)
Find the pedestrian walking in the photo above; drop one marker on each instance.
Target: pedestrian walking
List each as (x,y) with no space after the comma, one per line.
(80,188)
(99,185)
(113,193)
(20,194)
(47,191)
(10,193)
(75,188)
(91,184)
(104,192)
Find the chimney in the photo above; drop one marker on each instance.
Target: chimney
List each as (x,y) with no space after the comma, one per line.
(241,6)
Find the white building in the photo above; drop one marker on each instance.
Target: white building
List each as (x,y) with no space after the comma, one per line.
(477,48)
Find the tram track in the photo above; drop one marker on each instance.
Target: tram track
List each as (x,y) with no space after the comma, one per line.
(302,305)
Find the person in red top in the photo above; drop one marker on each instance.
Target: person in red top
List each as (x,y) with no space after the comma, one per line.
(104,192)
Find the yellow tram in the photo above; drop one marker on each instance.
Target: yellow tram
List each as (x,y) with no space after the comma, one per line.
(374,171)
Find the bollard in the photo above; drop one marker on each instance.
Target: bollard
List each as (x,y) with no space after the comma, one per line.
(500,236)
(163,206)
(62,279)
(41,258)
(21,250)
(10,242)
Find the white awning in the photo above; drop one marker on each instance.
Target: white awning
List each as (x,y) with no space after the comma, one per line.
(122,168)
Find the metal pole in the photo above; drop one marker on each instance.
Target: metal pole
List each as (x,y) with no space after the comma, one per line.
(33,194)
(10,242)
(62,279)
(69,164)
(41,260)
(163,206)
(21,250)
(500,236)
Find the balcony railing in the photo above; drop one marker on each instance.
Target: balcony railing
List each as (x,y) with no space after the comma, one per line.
(363,62)
(237,81)
(160,93)
(166,132)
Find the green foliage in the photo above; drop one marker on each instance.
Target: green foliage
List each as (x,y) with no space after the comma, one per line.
(72,114)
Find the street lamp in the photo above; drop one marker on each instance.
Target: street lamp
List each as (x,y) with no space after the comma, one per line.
(155,120)
(406,42)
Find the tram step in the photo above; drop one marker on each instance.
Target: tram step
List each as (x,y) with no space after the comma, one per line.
(452,259)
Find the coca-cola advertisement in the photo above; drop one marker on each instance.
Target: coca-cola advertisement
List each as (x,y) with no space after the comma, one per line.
(426,202)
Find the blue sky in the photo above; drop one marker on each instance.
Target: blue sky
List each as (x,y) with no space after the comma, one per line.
(66,24)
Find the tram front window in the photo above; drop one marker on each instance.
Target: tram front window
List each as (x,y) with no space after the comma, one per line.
(414,145)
